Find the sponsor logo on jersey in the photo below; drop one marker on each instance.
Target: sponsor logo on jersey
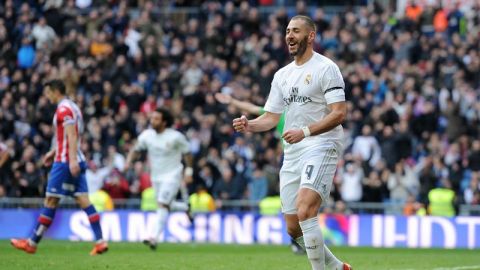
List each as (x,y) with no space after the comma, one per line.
(295,97)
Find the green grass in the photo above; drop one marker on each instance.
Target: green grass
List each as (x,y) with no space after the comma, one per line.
(74,255)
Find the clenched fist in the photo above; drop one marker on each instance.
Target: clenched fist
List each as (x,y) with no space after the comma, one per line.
(240,124)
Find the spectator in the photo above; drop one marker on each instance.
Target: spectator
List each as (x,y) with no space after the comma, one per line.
(95,176)
(258,186)
(415,91)
(116,185)
(43,35)
(26,54)
(441,200)
(201,201)
(367,148)
(30,181)
(373,189)
(351,186)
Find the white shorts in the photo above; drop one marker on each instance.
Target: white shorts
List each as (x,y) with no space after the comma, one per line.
(314,170)
(166,187)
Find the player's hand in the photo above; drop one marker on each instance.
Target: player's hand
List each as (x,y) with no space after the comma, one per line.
(240,124)
(293,136)
(187,179)
(222,98)
(188,175)
(74,168)
(48,158)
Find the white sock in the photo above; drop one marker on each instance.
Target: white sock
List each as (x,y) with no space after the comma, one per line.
(300,241)
(178,206)
(312,235)
(162,214)
(331,261)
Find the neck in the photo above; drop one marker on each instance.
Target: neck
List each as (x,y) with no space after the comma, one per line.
(59,98)
(302,59)
(160,130)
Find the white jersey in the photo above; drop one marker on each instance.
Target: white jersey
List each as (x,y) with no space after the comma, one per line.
(164,151)
(304,92)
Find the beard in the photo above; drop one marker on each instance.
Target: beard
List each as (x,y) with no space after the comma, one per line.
(301,47)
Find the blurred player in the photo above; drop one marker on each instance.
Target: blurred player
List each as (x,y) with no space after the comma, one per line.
(311,92)
(67,176)
(165,147)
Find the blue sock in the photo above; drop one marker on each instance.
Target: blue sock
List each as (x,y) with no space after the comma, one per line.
(43,222)
(94,219)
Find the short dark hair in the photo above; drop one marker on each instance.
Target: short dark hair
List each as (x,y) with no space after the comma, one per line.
(308,21)
(56,85)
(166,116)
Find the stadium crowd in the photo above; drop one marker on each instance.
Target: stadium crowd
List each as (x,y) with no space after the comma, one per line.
(412,85)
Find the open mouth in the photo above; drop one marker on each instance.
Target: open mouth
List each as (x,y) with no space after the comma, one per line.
(292,44)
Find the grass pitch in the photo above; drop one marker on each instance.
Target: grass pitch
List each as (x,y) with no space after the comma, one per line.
(122,256)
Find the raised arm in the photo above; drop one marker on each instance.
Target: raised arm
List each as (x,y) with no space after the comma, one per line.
(132,155)
(242,105)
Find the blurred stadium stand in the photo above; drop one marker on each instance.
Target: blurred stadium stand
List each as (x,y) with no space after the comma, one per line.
(413,85)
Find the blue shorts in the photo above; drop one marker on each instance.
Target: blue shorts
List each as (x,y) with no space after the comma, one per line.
(61,182)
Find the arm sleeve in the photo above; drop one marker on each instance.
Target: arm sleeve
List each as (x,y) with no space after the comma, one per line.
(65,116)
(274,102)
(182,144)
(141,144)
(333,85)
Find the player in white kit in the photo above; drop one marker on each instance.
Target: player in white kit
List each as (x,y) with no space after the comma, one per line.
(165,147)
(310,90)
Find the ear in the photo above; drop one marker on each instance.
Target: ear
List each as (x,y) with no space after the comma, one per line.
(311,36)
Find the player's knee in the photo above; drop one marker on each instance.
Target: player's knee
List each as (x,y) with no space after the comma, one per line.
(302,213)
(306,211)
(83,201)
(294,231)
(51,202)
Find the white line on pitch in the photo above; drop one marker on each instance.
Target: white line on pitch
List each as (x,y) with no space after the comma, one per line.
(471,267)
(459,267)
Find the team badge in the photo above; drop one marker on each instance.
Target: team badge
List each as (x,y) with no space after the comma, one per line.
(308,79)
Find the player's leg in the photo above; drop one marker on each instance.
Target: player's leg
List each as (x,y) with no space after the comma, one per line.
(331,262)
(101,245)
(182,205)
(165,192)
(316,180)
(289,184)
(55,191)
(47,213)
(308,204)
(81,197)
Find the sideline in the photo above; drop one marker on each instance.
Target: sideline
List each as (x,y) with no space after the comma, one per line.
(470,267)
(459,267)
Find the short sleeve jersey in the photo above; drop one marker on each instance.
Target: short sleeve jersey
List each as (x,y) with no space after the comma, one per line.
(303,93)
(164,151)
(67,113)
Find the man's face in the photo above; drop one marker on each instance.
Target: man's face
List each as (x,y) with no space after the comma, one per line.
(296,37)
(156,120)
(49,94)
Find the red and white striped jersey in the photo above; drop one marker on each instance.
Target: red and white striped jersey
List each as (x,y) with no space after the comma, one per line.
(67,113)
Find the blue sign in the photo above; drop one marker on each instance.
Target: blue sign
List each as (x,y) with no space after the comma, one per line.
(248,228)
